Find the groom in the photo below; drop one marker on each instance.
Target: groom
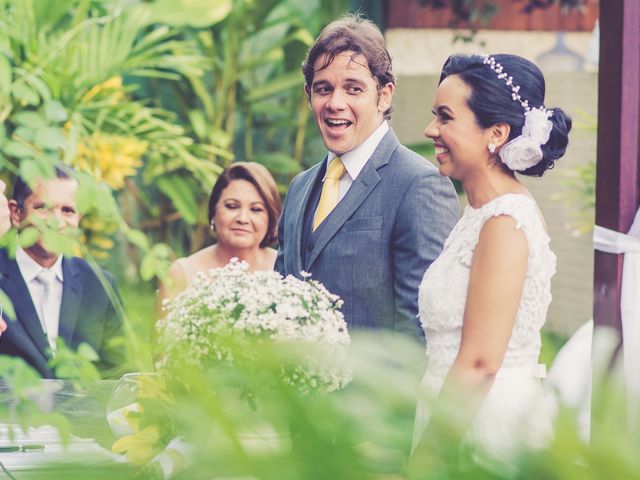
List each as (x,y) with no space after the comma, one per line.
(370,218)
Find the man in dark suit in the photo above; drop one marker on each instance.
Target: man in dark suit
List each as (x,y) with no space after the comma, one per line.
(52,295)
(370,218)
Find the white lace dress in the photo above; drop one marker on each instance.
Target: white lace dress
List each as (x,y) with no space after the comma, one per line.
(513,410)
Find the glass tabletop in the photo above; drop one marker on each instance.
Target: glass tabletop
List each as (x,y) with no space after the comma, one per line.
(85,408)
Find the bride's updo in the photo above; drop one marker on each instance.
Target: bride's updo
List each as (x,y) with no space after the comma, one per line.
(496,98)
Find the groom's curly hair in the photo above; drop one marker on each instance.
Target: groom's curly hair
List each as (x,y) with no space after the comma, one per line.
(351,33)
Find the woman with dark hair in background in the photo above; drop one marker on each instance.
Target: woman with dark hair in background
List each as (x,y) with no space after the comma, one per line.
(244,208)
(485,299)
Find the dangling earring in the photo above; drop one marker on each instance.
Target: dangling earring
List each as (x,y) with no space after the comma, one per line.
(212,226)
(492,148)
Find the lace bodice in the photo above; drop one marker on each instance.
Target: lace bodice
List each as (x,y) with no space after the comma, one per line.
(443,289)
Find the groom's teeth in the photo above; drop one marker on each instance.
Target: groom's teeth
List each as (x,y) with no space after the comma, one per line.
(337,122)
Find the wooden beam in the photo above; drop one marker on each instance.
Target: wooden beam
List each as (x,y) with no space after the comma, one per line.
(618,171)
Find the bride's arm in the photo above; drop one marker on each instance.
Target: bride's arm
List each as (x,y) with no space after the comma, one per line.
(496,280)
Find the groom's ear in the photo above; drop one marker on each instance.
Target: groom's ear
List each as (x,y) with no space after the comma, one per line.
(500,134)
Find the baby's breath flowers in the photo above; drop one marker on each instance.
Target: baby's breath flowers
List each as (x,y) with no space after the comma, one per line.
(224,312)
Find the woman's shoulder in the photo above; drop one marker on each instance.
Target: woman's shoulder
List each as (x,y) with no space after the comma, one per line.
(519,206)
(510,215)
(198,261)
(268,258)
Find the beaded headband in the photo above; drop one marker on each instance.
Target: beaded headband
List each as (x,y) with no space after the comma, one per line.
(524,151)
(508,80)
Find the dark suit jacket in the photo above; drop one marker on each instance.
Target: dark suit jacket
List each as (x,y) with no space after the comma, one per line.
(86,315)
(375,246)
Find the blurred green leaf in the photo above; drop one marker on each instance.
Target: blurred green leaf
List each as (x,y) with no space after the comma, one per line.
(75,365)
(58,242)
(18,149)
(5,75)
(24,133)
(87,352)
(181,193)
(193,13)
(86,194)
(280,84)
(148,266)
(161,250)
(198,123)
(49,13)
(32,170)
(55,112)
(29,119)
(25,94)
(7,306)
(18,374)
(51,138)
(138,238)
(28,237)
(278,163)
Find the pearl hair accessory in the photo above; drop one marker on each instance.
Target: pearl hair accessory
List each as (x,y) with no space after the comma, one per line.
(525,150)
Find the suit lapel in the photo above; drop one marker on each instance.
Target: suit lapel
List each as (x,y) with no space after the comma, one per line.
(298,219)
(71,296)
(16,289)
(357,194)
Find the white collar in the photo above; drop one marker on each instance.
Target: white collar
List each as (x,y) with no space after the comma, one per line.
(355,160)
(30,269)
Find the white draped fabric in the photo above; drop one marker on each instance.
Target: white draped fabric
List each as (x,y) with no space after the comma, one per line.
(610,241)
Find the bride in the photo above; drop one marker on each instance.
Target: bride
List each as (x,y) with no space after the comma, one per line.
(485,299)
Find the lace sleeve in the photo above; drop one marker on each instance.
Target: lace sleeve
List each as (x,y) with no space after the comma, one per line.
(519,207)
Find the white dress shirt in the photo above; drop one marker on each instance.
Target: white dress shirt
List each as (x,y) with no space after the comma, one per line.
(30,269)
(355,160)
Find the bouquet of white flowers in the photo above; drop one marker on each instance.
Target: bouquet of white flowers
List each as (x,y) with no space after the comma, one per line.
(224,312)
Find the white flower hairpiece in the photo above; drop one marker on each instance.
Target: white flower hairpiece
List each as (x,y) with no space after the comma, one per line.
(525,150)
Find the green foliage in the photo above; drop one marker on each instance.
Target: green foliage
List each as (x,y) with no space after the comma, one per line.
(24,402)
(75,365)
(578,191)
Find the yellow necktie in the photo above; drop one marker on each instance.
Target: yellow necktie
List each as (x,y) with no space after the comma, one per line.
(330,191)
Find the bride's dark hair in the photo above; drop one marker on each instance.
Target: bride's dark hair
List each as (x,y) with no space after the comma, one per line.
(491,100)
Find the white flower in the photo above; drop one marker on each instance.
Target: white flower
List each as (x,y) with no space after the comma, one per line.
(233,302)
(521,153)
(525,150)
(537,125)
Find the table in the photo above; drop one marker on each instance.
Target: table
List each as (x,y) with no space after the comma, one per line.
(46,456)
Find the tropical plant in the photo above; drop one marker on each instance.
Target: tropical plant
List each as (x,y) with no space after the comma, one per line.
(64,101)
(250,100)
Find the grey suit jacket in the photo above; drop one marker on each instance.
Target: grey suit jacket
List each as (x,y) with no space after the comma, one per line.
(379,240)
(86,315)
